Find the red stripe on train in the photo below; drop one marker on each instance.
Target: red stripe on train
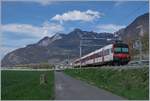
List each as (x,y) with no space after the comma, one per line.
(121,55)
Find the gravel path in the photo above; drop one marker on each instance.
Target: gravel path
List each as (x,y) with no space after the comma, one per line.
(68,88)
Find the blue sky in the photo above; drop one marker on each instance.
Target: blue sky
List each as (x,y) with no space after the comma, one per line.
(26,22)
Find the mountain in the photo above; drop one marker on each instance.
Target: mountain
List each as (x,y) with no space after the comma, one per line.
(61,46)
(131,33)
(56,49)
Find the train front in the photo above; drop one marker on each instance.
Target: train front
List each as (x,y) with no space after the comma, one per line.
(121,54)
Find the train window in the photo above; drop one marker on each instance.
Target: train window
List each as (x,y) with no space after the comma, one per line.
(125,50)
(104,52)
(101,54)
(117,49)
(107,52)
(110,51)
(97,55)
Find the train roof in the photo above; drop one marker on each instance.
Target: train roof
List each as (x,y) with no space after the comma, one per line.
(98,50)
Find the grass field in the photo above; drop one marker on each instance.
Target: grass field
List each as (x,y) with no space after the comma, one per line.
(130,83)
(25,85)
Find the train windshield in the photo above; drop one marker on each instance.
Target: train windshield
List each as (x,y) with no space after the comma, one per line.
(121,48)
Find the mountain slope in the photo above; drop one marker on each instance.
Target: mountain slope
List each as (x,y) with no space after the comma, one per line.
(54,49)
(131,33)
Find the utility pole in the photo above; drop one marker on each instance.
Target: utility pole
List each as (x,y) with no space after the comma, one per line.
(80,51)
(139,39)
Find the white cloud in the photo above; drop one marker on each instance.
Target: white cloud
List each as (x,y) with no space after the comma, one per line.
(119,2)
(47,29)
(52,28)
(22,29)
(35,32)
(109,28)
(43,2)
(77,15)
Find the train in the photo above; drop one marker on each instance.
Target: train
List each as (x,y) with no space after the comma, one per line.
(113,54)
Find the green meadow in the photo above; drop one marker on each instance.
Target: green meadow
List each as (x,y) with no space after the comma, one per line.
(130,83)
(25,85)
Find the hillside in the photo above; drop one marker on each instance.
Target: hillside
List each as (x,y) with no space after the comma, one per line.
(55,49)
(131,34)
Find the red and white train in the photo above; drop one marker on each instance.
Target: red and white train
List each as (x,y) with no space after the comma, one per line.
(112,54)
